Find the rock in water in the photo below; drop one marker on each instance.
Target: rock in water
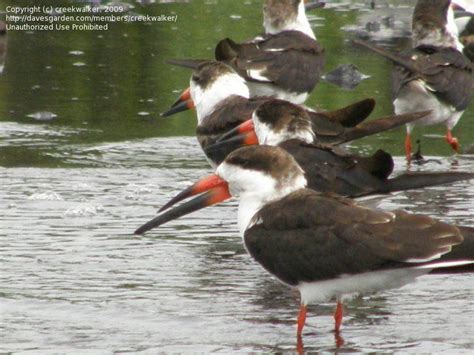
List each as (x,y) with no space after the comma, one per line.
(346,76)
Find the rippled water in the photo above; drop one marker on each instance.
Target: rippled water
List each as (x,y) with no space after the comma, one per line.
(75,278)
(74,187)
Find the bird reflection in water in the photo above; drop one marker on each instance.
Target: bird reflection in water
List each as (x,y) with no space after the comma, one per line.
(338,342)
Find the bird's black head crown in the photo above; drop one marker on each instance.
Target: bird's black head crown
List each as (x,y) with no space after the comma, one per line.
(279,11)
(431,14)
(282,115)
(433,24)
(208,72)
(270,160)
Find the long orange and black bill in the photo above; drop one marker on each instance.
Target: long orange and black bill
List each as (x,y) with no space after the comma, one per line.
(244,127)
(183,103)
(231,144)
(203,185)
(238,137)
(218,192)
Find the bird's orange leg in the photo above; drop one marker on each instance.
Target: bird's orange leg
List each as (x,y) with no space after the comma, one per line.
(299,345)
(408,147)
(452,141)
(301,319)
(338,316)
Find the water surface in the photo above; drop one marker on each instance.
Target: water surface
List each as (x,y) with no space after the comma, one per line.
(74,187)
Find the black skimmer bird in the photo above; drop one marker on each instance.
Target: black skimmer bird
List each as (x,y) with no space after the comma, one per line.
(286,62)
(463,15)
(222,101)
(462,9)
(434,75)
(327,169)
(322,245)
(464,19)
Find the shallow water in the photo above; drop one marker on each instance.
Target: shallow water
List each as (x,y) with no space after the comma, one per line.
(74,278)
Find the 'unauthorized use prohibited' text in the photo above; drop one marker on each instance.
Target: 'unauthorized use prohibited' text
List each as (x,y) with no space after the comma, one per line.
(74,18)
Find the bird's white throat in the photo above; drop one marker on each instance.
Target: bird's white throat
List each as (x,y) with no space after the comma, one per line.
(257,188)
(206,99)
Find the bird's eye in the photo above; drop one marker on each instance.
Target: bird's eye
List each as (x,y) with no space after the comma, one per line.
(195,78)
